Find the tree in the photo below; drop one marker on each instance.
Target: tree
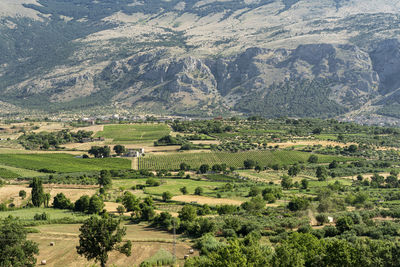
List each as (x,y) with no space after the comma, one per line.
(15,250)
(204,168)
(120,210)
(254,191)
(258,168)
(249,164)
(184,167)
(37,192)
(246,252)
(304,184)
(352,148)
(344,223)
(198,191)
(96,205)
(22,194)
(183,190)
(100,152)
(47,198)
(147,212)
(104,179)
(334,164)
(294,170)
(298,203)
(313,159)
(166,196)
(62,202)
(321,173)
(130,202)
(255,205)
(286,182)
(188,213)
(119,149)
(317,131)
(321,218)
(82,204)
(99,236)
(216,168)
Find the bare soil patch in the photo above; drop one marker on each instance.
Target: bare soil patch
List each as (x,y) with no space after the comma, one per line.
(93,128)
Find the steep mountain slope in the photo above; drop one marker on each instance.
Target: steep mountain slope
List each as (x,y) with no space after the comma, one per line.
(268,57)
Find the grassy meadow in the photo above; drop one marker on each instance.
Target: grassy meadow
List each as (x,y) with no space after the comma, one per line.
(62,162)
(134,133)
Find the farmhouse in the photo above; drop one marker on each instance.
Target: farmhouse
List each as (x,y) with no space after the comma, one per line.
(134,153)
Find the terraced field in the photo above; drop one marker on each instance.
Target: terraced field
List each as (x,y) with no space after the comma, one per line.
(195,160)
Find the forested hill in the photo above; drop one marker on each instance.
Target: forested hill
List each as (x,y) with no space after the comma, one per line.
(299,58)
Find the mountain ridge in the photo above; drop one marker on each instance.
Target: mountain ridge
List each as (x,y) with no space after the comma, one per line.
(203,58)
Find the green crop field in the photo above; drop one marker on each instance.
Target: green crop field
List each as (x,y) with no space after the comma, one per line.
(55,214)
(264,158)
(135,132)
(173,186)
(20,171)
(7,174)
(62,162)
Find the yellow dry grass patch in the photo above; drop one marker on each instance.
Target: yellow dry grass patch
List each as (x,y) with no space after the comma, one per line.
(73,192)
(10,192)
(206,142)
(207,200)
(368,176)
(310,143)
(83,146)
(49,127)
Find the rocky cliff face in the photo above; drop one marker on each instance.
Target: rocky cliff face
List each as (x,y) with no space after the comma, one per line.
(268,57)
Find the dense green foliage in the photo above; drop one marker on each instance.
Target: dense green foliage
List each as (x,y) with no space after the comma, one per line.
(99,236)
(16,251)
(45,140)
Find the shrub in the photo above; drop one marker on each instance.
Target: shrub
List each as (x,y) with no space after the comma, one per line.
(198,191)
(41,217)
(166,196)
(313,159)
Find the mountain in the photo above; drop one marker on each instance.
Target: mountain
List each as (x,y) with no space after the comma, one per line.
(297,58)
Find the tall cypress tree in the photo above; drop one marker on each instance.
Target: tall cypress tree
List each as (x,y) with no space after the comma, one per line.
(37,192)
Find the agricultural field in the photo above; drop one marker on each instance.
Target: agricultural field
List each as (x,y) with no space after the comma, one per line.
(62,163)
(134,133)
(173,186)
(147,244)
(305,177)
(264,158)
(26,215)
